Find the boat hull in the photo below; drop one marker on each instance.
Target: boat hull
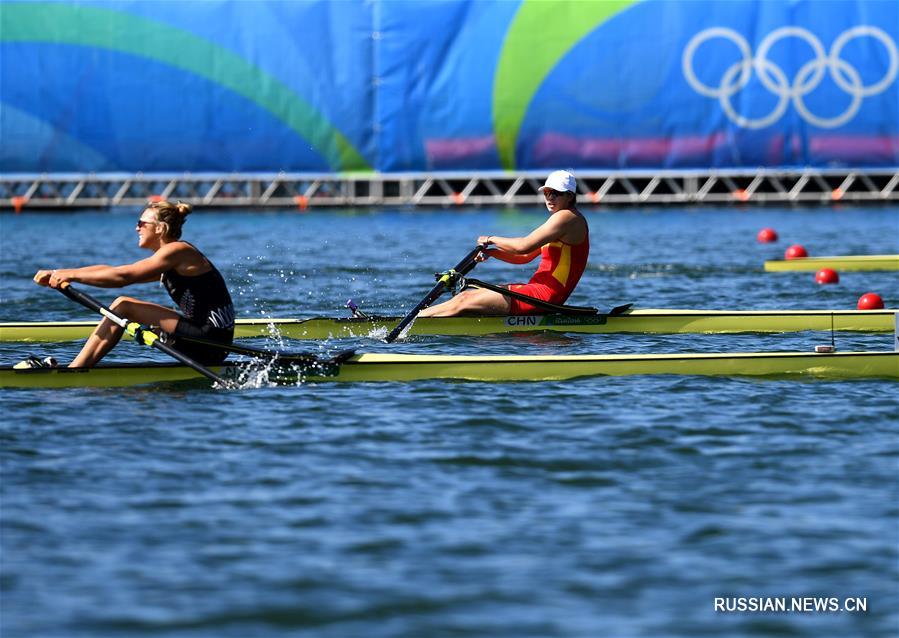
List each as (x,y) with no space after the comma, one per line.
(411,367)
(661,321)
(845,263)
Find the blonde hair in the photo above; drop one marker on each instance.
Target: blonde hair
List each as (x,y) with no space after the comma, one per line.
(171,216)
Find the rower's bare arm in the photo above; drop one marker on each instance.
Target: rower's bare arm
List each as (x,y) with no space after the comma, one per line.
(104,276)
(42,277)
(527,248)
(59,275)
(511,258)
(506,249)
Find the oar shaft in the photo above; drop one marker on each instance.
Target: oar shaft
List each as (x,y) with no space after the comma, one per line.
(92,304)
(146,337)
(552,307)
(436,291)
(282,357)
(443,284)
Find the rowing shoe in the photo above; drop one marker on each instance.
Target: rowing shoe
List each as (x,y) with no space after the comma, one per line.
(32,362)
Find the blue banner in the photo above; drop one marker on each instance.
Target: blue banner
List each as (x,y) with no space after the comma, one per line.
(461,85)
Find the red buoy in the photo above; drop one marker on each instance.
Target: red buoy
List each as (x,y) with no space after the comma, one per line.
(796,251)
(827,276)
(766,235)
(870,301)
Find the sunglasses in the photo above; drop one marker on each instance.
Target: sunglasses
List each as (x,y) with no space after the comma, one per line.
(143,222)
(549,193)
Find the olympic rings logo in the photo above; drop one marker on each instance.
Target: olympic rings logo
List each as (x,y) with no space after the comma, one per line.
(809,76)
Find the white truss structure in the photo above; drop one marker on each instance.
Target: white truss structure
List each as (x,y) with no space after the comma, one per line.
(303,190)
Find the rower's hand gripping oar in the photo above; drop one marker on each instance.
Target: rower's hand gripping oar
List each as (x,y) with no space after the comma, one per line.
(444,283)
(140,333)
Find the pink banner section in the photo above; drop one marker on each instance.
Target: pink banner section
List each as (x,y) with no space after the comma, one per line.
(864,150)
(554,147)
(855,148)
(447,152)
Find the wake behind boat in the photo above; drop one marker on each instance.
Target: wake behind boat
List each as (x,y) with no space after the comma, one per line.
(650,320)
(350,367)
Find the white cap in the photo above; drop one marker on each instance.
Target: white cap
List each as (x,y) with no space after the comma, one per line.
(560,181)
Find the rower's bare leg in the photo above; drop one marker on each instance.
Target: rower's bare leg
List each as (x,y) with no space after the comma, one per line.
(475,301)
(107,334)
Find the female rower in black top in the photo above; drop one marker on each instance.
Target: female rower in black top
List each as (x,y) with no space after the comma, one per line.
(191,280)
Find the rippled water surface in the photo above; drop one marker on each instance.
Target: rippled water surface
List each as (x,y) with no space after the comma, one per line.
(597,507)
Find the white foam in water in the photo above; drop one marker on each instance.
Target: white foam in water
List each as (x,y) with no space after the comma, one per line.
(255,374)
(275,333)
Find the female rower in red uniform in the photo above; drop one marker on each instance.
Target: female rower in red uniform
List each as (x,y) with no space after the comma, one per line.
(189,277)
(563,243)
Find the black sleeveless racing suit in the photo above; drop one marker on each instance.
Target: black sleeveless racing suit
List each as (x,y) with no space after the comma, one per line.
(207,313)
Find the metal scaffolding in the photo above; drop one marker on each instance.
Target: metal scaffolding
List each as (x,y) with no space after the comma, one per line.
(303,190)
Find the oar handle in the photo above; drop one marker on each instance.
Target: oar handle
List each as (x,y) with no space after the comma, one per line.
(444,283)
(90,303)
(139,332)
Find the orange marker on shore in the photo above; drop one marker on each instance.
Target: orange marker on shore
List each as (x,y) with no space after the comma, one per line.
(18,203)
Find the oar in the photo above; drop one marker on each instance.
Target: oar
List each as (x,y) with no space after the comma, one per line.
(140,333)
(306,358)
(444,283)
(552,307)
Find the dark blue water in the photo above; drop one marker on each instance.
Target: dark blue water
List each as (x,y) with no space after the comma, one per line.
(599,507)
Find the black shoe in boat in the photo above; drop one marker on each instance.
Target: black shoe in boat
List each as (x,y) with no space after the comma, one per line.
(34,362)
